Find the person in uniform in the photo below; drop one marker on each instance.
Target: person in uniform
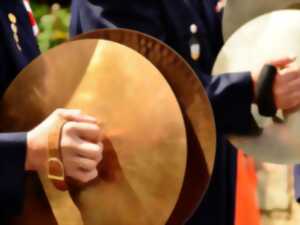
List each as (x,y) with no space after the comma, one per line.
(193,29)
(28,151)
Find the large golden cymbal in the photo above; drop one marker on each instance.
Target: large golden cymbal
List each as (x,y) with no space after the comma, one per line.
(195,107)
(237,13)
(270,36)
(145,140)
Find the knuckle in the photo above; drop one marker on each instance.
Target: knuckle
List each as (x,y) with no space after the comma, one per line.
(65,142)
(99,158)
(80,147)
(81,177)
(91,165)
(101,151)
(94,164)
(68,144)
(97,128)
(59,111)
(100,155)
(101,146)
(94,174)
(84,179)
(94,128)
(96,148)
(69,127)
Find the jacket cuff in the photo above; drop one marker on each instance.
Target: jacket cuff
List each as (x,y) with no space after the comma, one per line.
(12,164)
(232,98)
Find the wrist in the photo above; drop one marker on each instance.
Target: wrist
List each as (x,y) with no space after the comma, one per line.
(29,153)
(35,154)
(254,78)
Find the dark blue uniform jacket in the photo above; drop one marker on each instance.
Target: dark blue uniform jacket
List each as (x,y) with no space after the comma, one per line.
(13,146)
(230,95)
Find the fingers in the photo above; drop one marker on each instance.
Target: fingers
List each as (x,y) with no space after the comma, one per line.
(290,72)
(75,115)
(81,169)
(85,131)
(90,151)
(80,163)
(289,103)
(287,88)
(83,176)
(288,83)
(293,86)
(81,150)
(282,62)
(292,109)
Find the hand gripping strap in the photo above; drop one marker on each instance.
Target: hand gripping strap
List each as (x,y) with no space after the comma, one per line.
(264,91)
(56,172)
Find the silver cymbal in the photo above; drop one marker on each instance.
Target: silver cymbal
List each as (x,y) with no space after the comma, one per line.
(237,13)
(270,36)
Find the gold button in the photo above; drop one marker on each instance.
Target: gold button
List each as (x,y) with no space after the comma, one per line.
(16,37)
(194,28)
(14,28)
(12,18)
(19,47)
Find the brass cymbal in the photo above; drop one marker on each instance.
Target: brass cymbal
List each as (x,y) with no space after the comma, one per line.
(267,37)
(237,13)
(195,107)
(142,173)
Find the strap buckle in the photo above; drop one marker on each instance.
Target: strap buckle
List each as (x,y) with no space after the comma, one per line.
(56,170)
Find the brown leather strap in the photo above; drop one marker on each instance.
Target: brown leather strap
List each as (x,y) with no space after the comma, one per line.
(56,172)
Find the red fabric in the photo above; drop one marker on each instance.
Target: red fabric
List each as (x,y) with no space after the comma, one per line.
(247,209)
(31,17)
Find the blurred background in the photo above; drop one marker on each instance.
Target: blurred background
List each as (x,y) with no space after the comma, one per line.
(275,189)
(53,19)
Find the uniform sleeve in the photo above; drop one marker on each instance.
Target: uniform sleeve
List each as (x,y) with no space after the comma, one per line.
(297,182)
(230,95)
(133,14)
(12,172)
